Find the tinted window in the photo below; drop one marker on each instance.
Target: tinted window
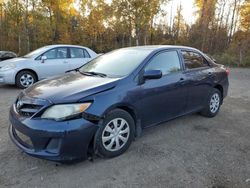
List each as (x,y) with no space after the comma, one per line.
(78,53)
(167,62)
(117,63)
(193,60)
(56,53)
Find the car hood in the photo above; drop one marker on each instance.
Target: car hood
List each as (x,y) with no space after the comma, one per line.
(13,60)
(70,87)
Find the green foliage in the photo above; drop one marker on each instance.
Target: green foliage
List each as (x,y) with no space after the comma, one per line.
(232,60)
(226,59)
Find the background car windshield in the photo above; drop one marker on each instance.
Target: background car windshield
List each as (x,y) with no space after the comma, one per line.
(36,52)
(118,63)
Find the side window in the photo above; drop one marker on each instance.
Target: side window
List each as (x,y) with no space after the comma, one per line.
(51,54)
(86,54)
(78,53)
(193,60)
(56,53)
(167,62)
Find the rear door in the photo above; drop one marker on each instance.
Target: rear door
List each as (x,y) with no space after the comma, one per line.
(57,62)
(78,57)
(199,75)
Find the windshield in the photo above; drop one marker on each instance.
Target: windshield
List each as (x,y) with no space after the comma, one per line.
(36,52)
(117,63)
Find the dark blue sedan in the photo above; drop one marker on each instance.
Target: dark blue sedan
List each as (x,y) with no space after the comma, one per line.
(102,106)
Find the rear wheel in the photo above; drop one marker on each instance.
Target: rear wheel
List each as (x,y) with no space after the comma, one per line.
(116,134)
(213,104)
(25,79)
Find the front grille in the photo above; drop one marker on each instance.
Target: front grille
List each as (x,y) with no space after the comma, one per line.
(26,109)
(27,106)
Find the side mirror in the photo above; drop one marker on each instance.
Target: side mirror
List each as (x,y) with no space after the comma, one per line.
(43,58)
(152,74)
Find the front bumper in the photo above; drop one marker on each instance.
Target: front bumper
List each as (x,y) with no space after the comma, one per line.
(51,140)
(7,77)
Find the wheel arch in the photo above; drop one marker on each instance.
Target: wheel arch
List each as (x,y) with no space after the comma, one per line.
(129,109)
(132,111)
(30,70)
(220,88)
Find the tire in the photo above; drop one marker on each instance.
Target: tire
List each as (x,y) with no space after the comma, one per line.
(106,138)
(25,79)
(211,110)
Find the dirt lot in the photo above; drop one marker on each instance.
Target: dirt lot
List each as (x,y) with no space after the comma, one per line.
(191,151)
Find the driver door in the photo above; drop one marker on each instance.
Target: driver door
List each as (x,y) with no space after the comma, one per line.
(165,98)
(56,62)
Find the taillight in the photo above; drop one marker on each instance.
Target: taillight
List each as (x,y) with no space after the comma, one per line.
(227,71)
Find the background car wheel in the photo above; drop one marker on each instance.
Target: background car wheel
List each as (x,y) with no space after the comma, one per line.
(116,134)
(213,104)
(24,79)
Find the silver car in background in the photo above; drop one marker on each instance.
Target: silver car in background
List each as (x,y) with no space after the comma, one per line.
(42,63)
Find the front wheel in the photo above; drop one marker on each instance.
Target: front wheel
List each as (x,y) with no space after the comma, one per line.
(116,134)
(213,104)
(25,79)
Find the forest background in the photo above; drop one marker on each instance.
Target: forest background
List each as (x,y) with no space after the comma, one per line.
(221,28)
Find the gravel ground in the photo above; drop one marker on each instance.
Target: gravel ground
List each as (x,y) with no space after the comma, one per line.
(191,151)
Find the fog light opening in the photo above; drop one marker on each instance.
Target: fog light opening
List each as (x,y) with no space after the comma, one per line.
(53,146)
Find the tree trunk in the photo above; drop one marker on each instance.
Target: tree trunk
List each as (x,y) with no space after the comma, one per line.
(123,39)
(137,41)
(203,24)
(171,18)
(1,26)
(240,54)
(232,22)
(26,26)
(137,36)
(151,31)
(19,45)
(222,14)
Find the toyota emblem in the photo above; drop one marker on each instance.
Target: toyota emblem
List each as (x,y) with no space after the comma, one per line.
(19,104)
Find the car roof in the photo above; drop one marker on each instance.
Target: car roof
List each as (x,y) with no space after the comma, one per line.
(64,45)
(158,47)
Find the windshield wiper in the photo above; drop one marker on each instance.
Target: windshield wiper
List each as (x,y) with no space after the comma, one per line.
(93,74)
(76,70)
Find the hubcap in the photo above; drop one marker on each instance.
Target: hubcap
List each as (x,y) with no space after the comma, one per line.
(26,80)
(116,134)
(214,103)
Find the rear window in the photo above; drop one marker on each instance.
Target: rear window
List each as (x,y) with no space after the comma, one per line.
(79,53)
(193,60)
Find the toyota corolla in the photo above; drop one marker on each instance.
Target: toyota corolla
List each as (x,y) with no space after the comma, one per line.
(102,106)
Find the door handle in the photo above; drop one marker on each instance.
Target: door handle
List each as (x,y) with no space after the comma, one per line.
(181,81)
(65,62)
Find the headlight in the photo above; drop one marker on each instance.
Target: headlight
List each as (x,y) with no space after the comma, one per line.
(64,111)
(8,67)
